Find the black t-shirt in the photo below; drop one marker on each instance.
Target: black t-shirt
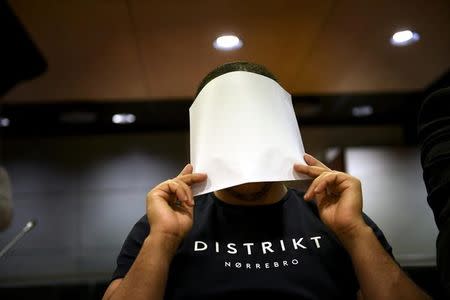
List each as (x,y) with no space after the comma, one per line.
(279,251)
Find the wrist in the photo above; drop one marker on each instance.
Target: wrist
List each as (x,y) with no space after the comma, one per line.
(351,237)
(166,244)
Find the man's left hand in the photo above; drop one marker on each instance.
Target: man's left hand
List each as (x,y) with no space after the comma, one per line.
(338,197)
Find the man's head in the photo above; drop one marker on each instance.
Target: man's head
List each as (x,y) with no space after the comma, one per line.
(247,191)
(233,67)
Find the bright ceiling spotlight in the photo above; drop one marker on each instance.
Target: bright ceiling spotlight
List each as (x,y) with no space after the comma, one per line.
(227,42)
(404,38)
(123,118)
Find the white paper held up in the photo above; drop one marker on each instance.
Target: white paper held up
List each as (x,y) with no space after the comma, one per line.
(243,129)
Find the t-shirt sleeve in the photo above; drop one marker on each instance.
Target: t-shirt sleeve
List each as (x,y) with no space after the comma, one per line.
(379,234)
(131,248)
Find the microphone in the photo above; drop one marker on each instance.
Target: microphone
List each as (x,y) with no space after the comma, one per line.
(30,225)
(27,228)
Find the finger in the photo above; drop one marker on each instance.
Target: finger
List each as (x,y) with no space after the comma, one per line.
(326,188)
(321,200)
(319,181)
(190,179)
(188,192)
(311,171)
(186,170)
(331,180)
(312,161)
(310,191)
(170,188)
(327,181)
(167,191)
(177,189)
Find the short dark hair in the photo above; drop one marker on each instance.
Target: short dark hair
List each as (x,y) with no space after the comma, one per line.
(235,66)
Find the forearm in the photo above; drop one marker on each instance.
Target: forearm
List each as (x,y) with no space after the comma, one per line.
(378,275)
(147,277)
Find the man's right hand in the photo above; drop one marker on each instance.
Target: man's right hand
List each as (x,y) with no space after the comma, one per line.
(170,212)
(170,206)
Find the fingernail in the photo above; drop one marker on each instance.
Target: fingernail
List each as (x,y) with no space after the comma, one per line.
(309,156)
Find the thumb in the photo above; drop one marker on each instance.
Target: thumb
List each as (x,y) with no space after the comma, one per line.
(312,161)
(186,170)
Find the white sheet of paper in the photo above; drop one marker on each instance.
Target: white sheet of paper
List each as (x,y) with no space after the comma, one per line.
(243,129)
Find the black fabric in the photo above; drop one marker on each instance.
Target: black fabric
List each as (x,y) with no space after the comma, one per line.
(279,251)
(20,59)
(434,137)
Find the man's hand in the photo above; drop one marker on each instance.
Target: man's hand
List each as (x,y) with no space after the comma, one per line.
(170,215)
(170,206)
(338,197)
(339,200)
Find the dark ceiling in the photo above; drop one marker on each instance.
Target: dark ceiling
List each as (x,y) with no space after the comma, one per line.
(147,57)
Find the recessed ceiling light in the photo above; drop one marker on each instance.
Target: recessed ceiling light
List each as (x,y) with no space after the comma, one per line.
(362,111)
(405,37)
(4,122)
(123,118)
(227,42)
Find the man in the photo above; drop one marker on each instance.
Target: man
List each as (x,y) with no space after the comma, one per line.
(434,136)
(258,240)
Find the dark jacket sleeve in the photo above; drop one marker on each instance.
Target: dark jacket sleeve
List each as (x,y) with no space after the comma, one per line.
(131,248)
